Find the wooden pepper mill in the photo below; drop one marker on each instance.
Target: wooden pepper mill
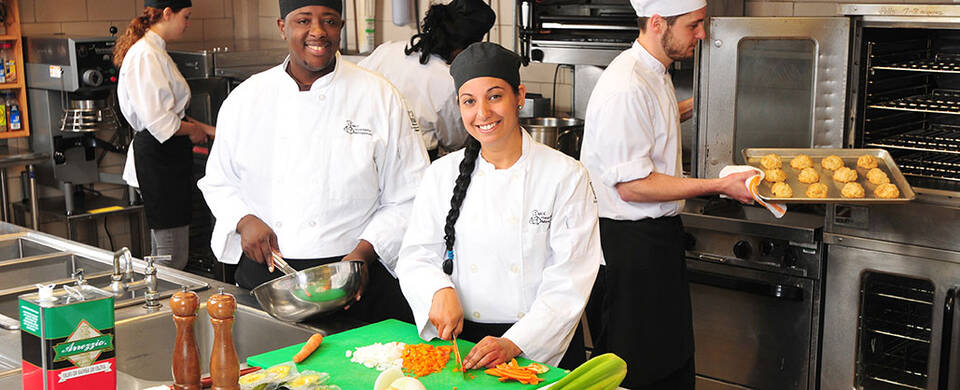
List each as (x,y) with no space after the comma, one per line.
(186,355)
(224,365)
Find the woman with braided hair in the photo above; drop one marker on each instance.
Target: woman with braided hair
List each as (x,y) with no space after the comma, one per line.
(511,263)
(420,69)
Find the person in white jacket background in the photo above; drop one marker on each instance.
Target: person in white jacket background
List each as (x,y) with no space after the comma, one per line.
(511,263)
(421,69)
(153,96)
(316,160)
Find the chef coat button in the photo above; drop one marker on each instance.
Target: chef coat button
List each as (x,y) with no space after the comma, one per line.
(312,223)
(476,314)
(320,97)
(514,220)
(474,268)
(520,315)
(515,269)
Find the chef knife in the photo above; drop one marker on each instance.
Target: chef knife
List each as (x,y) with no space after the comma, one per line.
(456,352)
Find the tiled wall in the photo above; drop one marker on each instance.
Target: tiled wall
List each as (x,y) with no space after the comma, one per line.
(210,20)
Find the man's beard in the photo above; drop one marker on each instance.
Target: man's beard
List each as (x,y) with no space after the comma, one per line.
(674,50)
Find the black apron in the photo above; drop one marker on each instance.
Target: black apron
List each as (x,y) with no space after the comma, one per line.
(646,314)
(382,298)
(164,171)
(575,356)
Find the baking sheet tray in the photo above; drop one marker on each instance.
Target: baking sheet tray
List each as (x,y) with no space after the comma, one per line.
(884,161)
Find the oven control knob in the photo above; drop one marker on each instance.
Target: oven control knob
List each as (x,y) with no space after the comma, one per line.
(689,241)
(742,249)
(766,247)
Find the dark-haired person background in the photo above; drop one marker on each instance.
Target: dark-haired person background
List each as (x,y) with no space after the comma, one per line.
(420,69)
(316,160)
(153,96)
(511,262)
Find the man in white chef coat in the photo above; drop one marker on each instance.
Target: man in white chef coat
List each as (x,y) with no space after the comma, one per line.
(631,148)
(315,160)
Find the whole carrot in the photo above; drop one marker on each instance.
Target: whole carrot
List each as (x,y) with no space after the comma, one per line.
(312,344)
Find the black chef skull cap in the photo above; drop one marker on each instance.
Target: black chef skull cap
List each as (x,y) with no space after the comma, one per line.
(287,6)
(471,19)
(173,4)
(485,59)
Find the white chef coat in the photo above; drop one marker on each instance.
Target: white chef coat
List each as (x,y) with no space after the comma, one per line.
(323,168)
(632,129)
(152,94)
(428,89)
(527,248)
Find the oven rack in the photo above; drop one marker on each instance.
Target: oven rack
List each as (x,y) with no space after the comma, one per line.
(933,138)
(931,165)
(940,63)
(940,101)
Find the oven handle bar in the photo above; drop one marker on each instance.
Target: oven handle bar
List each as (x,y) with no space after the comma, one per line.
(946,340)
(751,286)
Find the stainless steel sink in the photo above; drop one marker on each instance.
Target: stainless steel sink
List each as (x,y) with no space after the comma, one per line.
(9,301)
(47,268)
(13,246)
(145,344)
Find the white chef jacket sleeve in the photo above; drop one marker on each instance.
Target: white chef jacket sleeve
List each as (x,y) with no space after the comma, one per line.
(152,95)
(421,255)
(623,122)
(450,132)
(400,165)
(545,331)
(221,185)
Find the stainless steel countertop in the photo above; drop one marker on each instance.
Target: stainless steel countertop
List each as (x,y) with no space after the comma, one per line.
(12,157)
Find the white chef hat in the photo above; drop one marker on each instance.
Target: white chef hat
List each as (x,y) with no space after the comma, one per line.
(647,8)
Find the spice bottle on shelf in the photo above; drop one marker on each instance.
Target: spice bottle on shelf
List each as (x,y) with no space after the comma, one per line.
(9,62)
(3,111)
(5,54)
(14,122)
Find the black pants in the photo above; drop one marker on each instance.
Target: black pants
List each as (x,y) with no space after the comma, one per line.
(382,298)
(645,311)
(576,353)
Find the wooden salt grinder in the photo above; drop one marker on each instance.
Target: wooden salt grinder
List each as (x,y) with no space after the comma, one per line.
(224,366)
(186,355)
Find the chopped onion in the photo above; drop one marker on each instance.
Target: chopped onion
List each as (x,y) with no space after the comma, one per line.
(380,356)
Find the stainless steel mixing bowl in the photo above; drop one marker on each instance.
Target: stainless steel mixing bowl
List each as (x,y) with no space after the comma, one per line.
(312,292)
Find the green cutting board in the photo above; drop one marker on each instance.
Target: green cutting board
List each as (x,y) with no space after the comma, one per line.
(331,358)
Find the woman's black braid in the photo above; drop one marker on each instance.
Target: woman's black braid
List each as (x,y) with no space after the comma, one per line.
(467,165)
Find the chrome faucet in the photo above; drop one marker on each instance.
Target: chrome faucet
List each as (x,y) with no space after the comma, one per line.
(150,281)
(117,284)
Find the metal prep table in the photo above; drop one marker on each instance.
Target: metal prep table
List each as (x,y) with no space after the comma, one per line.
(14,157)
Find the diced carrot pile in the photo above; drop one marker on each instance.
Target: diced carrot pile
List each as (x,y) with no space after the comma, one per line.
(425,359)
(508,371)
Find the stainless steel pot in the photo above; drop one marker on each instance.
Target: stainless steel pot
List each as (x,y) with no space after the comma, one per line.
(315,291)
(563,134)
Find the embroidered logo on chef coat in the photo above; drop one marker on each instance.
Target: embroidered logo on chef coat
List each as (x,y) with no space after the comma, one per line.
(540,218)
(352,128)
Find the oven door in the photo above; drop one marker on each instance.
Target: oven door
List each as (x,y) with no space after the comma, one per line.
(753,329)
(889,318)
(770,83)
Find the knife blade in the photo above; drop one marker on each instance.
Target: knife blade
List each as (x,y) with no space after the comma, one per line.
(456,352)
